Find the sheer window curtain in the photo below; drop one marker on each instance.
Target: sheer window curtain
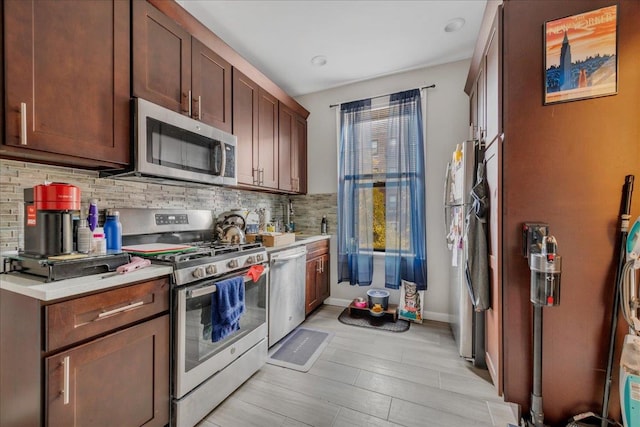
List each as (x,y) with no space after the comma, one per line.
(404,174)
(405,254)
(355,199)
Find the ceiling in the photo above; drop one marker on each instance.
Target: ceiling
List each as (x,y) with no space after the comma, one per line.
(360,39)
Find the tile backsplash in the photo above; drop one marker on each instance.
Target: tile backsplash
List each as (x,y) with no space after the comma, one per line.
(111,193)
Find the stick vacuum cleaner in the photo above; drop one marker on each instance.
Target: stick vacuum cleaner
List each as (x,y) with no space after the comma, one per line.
(546,266)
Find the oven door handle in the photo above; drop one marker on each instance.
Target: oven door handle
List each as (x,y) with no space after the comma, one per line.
(206,290)
(201,291)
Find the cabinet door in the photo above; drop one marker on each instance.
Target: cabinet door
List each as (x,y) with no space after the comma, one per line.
(322,280)
(481,100)
(67,80)
(286,149)
(267,139)
(311,296)
(245,127)
(493,316)
(299,156)
(119,380)
(161,59)
(493,89)
(292,146)
(211,86)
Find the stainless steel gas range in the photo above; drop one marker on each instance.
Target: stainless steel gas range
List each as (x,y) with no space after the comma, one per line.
(206,368)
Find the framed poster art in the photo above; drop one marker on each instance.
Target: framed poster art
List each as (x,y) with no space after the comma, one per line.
(581,56)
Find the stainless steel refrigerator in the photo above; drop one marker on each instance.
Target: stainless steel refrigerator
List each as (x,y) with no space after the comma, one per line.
(467,325)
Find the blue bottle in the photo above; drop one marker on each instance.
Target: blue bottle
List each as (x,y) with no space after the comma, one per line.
(113,231)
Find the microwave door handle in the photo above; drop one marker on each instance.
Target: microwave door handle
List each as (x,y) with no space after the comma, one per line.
(224,158)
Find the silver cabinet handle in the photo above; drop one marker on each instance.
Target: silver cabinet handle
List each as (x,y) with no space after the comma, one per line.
(254,173)
(189,103)
(199,101)
(23,123)
(118,310)
(65,380)
(261,175)
(318,266)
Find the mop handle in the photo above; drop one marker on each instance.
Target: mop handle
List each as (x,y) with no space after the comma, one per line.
(625,208)
(625,214)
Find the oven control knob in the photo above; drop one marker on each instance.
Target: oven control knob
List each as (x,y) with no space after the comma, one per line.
(251,260)
(233,263)
(198,273)
(211,269)
(259,257)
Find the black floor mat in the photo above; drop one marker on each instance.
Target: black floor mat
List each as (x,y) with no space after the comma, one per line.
(366,321)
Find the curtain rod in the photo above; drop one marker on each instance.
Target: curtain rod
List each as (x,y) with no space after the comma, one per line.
(380,96)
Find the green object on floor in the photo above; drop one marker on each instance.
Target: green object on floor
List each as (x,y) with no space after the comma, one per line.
(364,320)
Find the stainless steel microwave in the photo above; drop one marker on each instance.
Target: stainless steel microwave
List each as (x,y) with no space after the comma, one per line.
(170,148)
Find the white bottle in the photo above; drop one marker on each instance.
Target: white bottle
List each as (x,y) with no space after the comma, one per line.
(85,237)
(99,243)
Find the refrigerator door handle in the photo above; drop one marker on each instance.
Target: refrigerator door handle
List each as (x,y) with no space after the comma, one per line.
(445,195)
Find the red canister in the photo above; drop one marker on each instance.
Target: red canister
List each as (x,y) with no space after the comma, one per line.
(56,196)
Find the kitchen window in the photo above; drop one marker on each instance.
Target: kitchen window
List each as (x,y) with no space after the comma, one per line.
(381,190)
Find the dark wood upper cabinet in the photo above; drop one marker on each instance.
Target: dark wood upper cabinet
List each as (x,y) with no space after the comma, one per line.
(67,68)
(255,124)
(300,131)
(292,146)
(177,71)
(267,139)
(161,58)
(245,126)
(211,86)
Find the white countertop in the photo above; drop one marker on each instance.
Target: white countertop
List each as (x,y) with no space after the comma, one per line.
(301,240)
(36,287)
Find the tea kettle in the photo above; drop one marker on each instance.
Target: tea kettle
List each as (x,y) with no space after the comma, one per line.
(231,234)
(231,229)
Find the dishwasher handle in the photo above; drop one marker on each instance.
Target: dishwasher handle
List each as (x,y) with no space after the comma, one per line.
(289,255)
(288,258)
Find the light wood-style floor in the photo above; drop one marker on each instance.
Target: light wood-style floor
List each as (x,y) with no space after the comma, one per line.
(368,377)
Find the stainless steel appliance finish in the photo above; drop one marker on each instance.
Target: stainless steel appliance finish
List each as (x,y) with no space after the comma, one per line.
(170,147)
(467,325)
(205,372)
(286,292)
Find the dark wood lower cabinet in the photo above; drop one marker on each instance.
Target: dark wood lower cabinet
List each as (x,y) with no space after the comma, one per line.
(119,380)
(113,372)
(317,275)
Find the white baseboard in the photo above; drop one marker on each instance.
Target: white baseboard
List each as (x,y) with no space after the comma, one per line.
(430,315)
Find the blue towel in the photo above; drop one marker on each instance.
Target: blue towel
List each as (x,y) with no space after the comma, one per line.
(227,305)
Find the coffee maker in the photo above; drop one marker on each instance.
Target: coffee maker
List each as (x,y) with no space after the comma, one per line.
(48,219)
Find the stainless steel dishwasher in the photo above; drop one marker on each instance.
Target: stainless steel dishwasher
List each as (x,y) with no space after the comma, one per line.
(286,291)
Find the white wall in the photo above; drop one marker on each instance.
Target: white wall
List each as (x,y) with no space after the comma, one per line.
(447,124)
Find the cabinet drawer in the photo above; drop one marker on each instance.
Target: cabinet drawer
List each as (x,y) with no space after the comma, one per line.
(318,248)
(81,318)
